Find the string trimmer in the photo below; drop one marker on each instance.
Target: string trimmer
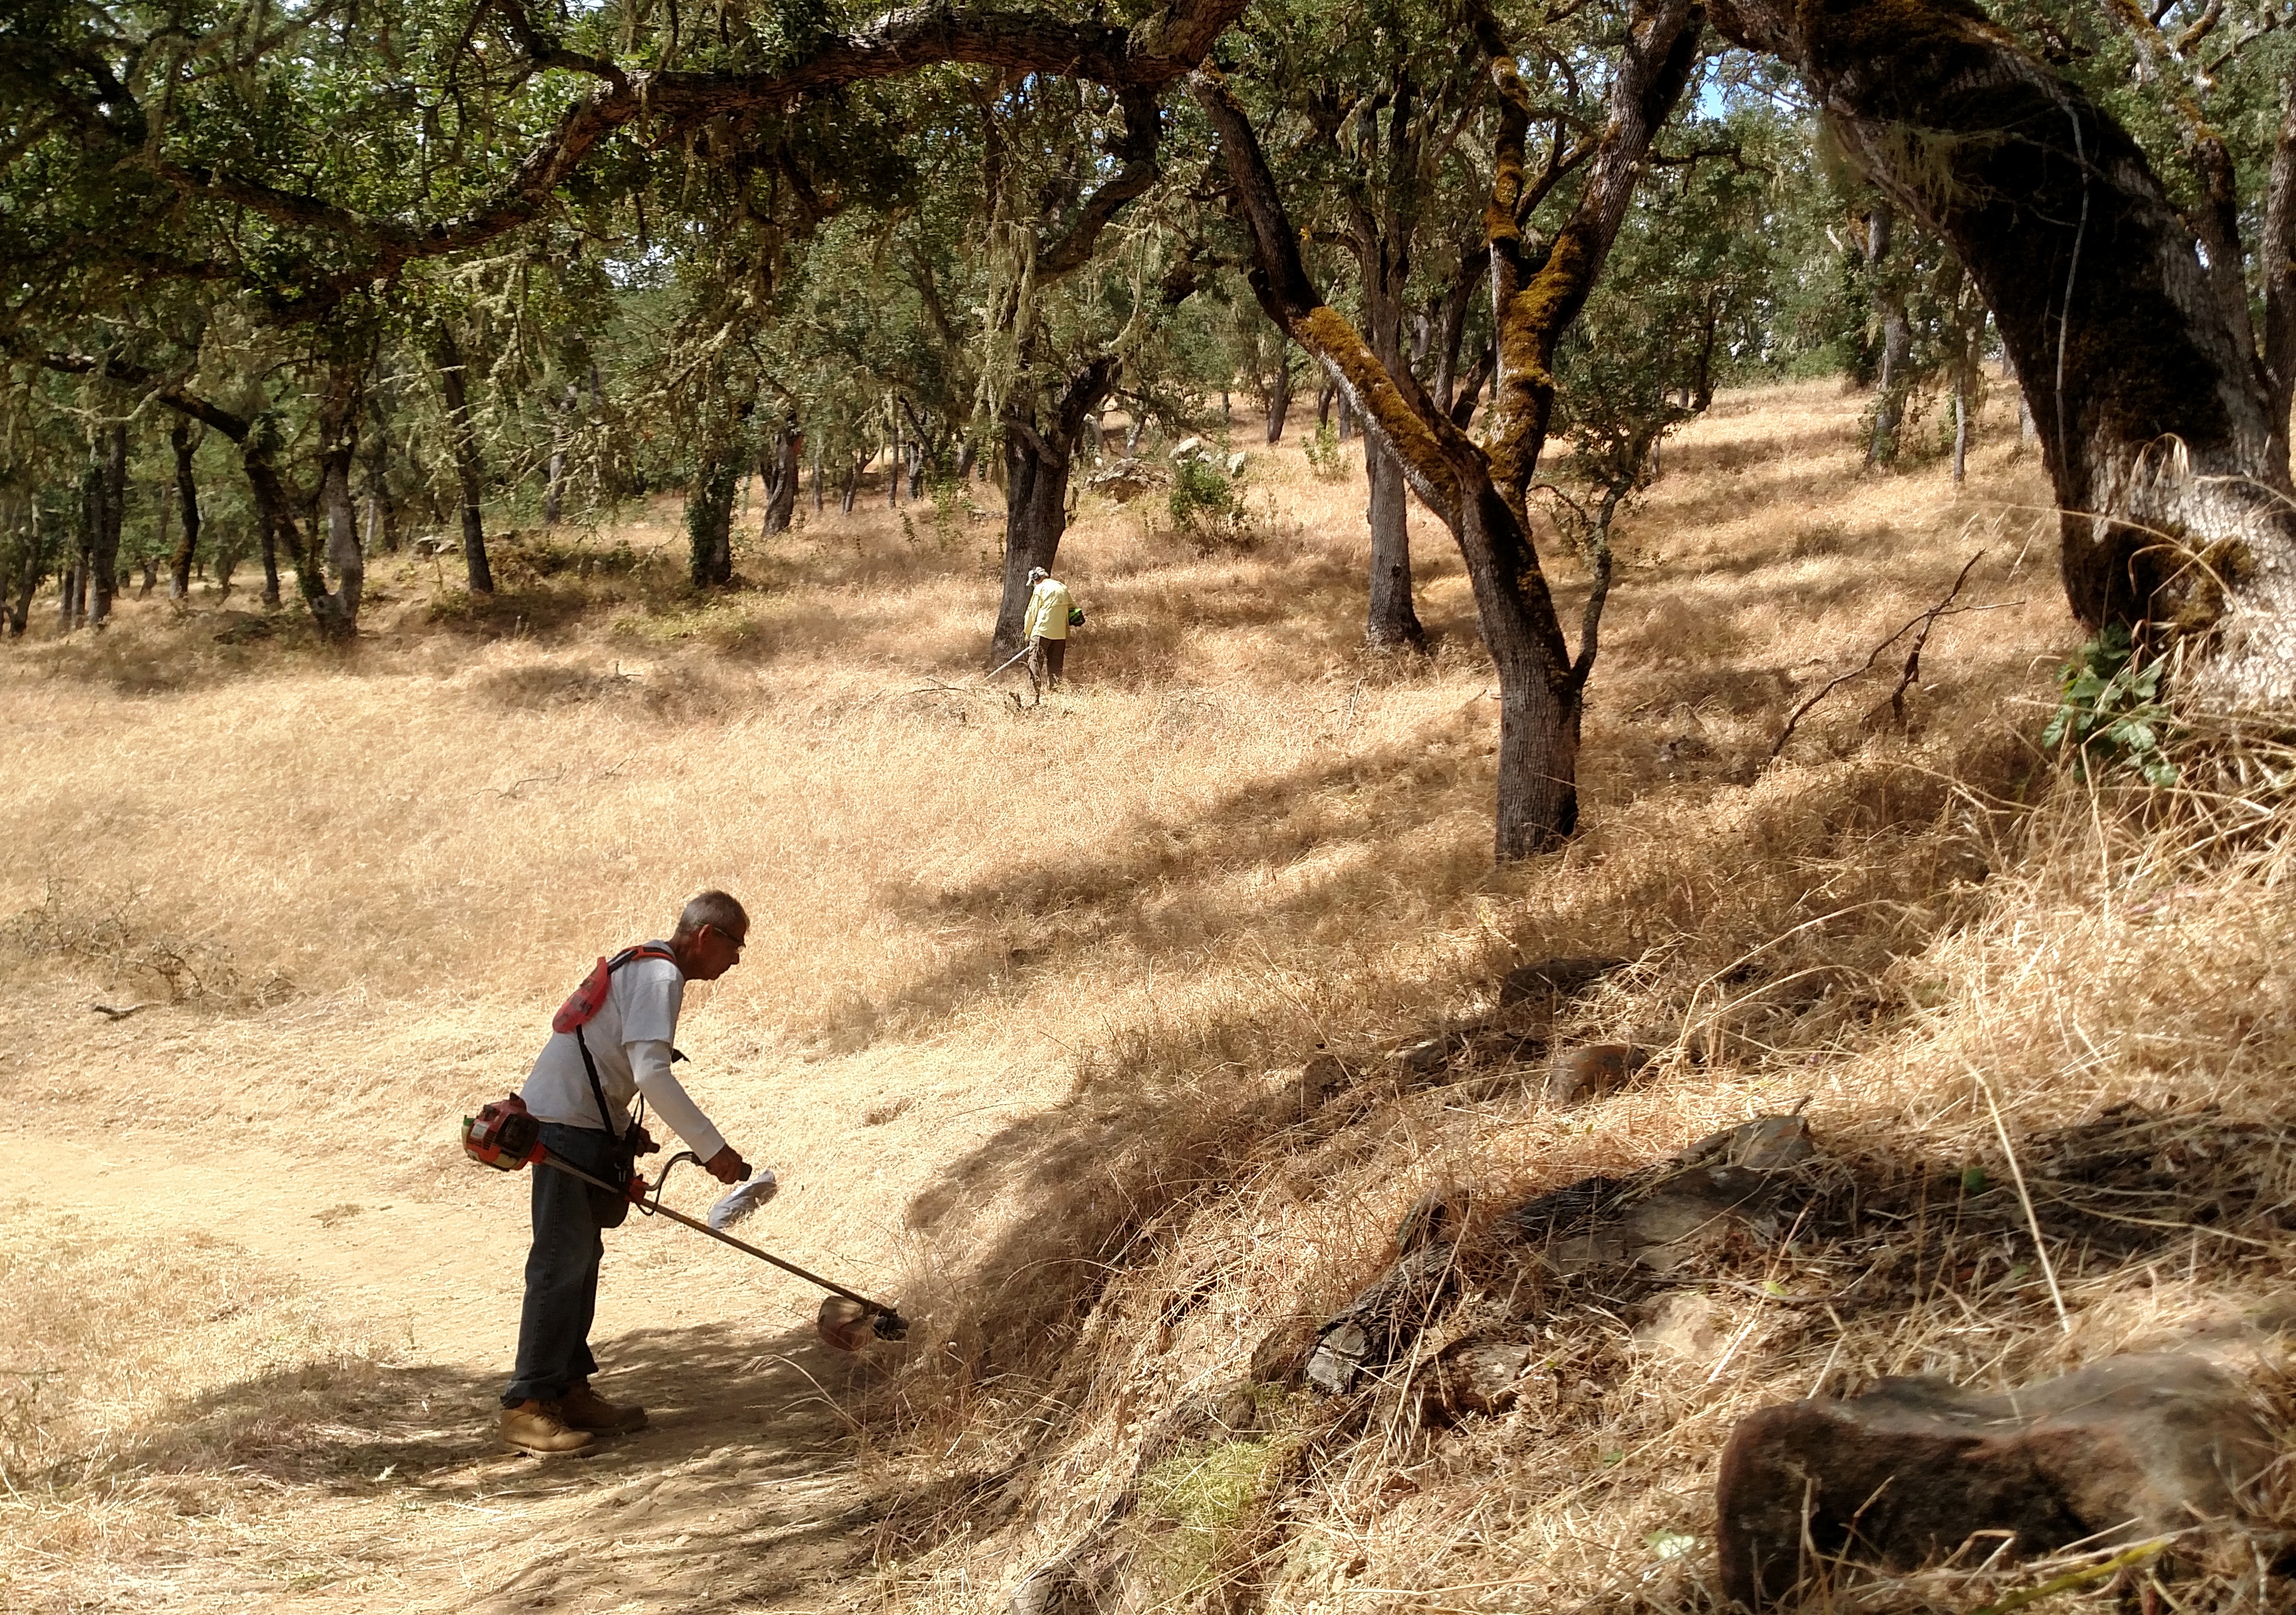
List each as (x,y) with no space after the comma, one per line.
(503,1136)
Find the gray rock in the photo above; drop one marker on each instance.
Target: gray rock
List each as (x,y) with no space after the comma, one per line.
(1658,1218)
(1480,1375)
(1126,480)
(1417,1059)
(2125,1449)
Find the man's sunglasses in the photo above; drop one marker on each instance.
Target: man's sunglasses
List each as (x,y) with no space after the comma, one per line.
(739,942)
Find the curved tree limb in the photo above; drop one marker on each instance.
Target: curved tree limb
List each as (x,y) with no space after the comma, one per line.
(1160,48)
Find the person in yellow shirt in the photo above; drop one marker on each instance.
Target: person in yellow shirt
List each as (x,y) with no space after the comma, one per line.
(1052,612)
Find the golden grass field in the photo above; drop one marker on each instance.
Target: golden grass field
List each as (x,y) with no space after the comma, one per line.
(1018,984)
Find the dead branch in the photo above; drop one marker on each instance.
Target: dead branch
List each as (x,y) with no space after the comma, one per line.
(1926,621)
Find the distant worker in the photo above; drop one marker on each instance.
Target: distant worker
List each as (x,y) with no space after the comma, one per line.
(619,1025)
(1051,613)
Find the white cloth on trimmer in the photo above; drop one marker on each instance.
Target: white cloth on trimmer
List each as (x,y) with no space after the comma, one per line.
(629,1039)
(743,1199)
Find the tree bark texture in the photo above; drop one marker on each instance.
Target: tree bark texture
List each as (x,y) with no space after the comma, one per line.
(187,502)
(1383,252)
(1391,622)
(1279,392)
(1478,490)
(28,582)
(268,530)
(339,417)
(2156,423)
(709,518)
(470,467)
(783,456)
(110,511)
(1896,338)
(1038,454)
(554,491)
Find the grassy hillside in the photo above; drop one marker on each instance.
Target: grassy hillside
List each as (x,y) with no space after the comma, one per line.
(1027,990)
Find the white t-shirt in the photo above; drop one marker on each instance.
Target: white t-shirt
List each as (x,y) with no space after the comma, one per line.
(629,1040)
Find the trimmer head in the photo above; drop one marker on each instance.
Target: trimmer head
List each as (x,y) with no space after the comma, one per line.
(847,1325)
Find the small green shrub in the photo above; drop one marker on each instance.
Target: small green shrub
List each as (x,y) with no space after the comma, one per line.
(1323,450)
(1202,495)
(1197,1501)
(2108,709)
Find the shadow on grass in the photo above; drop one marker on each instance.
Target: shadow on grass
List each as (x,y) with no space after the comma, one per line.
(740,1489)
(1166,886)
(1162,1122)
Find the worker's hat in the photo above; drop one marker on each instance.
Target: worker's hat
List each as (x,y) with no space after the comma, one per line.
(1036,573)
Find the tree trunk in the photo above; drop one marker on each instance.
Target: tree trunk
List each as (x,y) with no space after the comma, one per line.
(163,527)
(781,470)
(470,468)
(893,468)
(187,502)
(1897,339)
(1347,416)
(1036,459)
(1960,424)
(1392,621)
(2155,424)
(709,517)
(1279,395)
(554,491)
(28,582)
(111,509)
(270,528)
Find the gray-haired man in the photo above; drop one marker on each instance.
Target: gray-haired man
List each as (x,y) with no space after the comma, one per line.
(619,1048)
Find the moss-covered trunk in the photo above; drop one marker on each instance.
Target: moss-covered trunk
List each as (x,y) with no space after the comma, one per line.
(2153,415)
(709,517)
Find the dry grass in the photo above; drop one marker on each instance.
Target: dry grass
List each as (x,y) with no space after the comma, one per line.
(1020,983)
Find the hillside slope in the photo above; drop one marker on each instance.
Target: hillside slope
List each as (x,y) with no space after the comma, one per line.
(1028,995)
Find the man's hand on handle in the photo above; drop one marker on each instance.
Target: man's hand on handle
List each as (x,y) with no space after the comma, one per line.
(727,1166)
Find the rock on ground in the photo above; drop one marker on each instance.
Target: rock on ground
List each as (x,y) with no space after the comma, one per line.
(2126,1449)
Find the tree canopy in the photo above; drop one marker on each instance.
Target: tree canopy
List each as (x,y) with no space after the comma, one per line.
(314,266)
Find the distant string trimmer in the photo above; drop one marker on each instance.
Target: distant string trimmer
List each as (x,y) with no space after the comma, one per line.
(503,1136)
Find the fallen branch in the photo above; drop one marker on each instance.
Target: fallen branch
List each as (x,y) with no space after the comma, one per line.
(121,1011)
(1926,621)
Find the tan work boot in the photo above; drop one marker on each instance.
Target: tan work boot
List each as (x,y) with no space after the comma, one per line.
(584,1409)
(540,1427)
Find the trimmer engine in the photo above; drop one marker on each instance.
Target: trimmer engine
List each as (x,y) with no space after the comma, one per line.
(503,1136)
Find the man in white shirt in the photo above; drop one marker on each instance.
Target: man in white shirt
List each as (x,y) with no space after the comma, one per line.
(549,1407)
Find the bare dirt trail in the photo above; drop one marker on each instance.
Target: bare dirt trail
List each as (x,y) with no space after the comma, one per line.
(387,1490)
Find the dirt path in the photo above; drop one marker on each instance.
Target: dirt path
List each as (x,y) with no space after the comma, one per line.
(740,1495)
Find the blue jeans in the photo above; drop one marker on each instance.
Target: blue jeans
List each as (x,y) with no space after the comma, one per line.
(561,1270)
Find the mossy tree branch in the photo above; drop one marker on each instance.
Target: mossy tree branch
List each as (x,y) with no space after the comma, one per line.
(1478,490)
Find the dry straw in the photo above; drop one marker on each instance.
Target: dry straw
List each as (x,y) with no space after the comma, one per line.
(1026,992)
